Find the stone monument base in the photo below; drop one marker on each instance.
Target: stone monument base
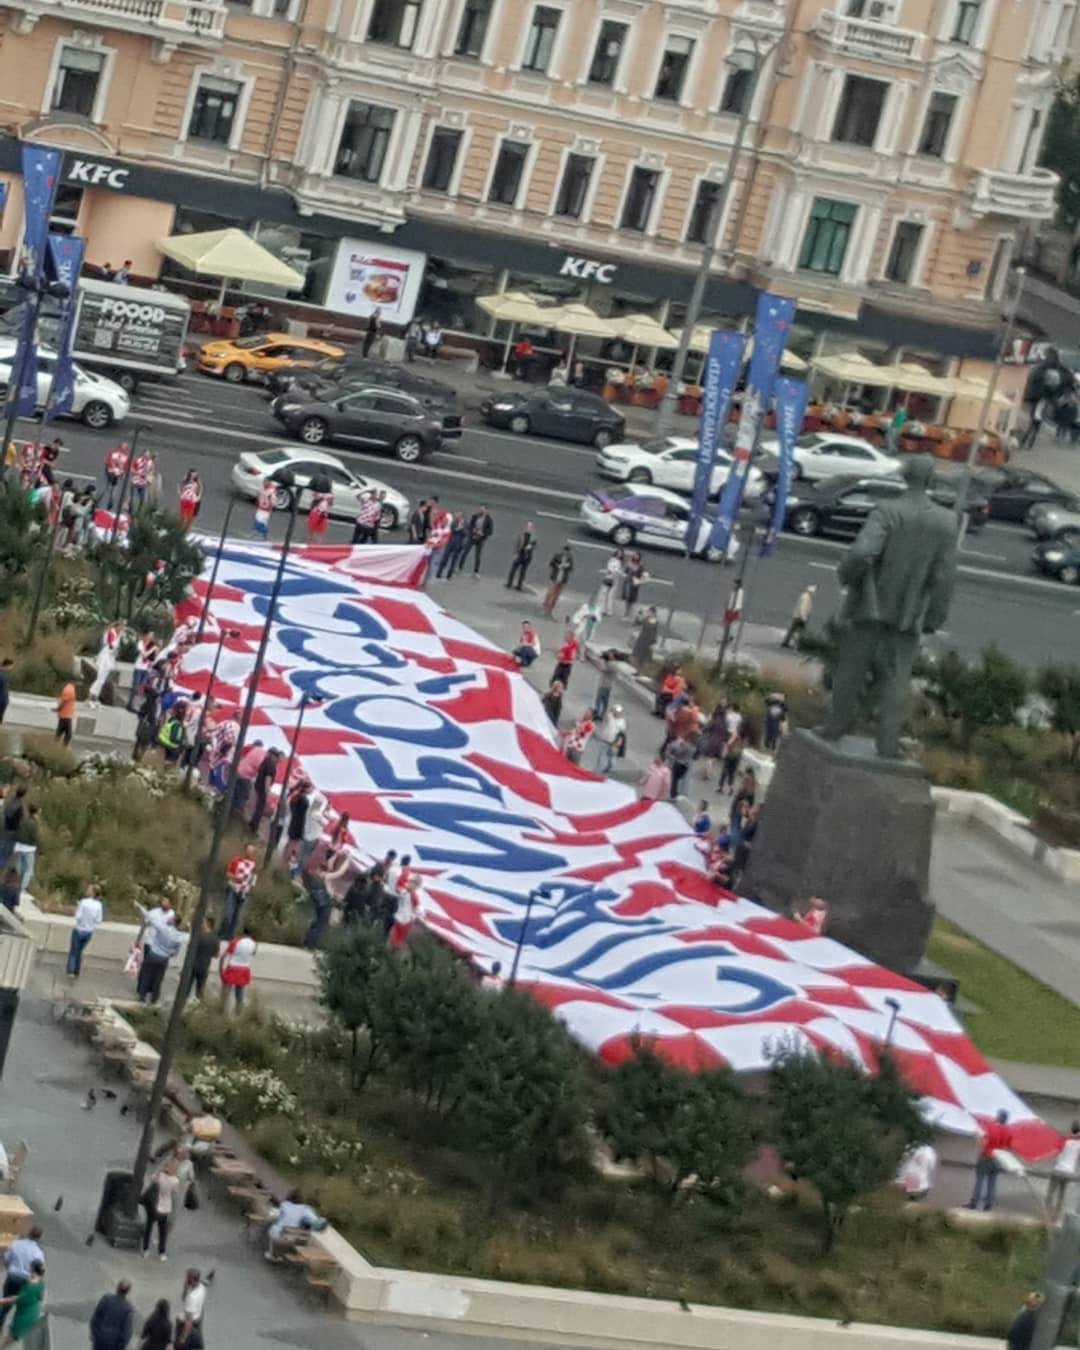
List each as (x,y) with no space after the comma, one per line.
(842,824)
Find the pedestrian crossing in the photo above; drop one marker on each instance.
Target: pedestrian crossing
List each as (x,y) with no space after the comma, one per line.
(193,399)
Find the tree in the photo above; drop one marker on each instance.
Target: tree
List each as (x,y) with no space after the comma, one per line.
(156,566)
(684,1125)
(986,693)
(1060,686)
(1061,150)
(23,532)
(840,1129)
(353,971)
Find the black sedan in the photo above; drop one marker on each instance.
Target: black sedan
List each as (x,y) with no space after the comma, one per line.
(569,414)
(1013,492)
(331,379)
(840,505)
(370,419)
(1058,558)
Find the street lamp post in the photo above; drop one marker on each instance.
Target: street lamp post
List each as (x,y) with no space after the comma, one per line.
(43,572)
(123,489)
(751,60)
(279,805)
(172,1029)
(214,569)
(963,491)
(521,935)
(207,698)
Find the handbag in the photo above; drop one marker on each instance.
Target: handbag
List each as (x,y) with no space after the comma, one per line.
(191,1197)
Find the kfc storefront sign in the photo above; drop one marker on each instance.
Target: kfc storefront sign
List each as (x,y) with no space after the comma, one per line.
(588,269)
(96,173)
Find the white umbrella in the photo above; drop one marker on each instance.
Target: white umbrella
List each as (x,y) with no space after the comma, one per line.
(642,330)
(513,307)
(230,254)
(578,321)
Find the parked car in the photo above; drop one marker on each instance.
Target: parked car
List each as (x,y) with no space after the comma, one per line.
(331,379)
(569,414)
(840,505)
(648,516)
(1058,558)
(243,358)
(671,462)
(824,454)
(253,466)
(1052,520)
(1014,492)
(373,419)
(97,402)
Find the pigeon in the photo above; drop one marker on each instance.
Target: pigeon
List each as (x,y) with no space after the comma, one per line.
(91,1098)
(108,1094)
(90,1239)
(208,1278)
(59,1204)
(125,1108)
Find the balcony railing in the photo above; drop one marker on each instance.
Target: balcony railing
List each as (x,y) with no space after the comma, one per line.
(198,18)
(1021,196)
(868,38)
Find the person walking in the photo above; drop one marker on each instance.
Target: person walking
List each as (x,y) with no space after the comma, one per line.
(1064,1173)
(250,761)
(608,671)
(89,912)
(116,462)
(453,555)
(11,819)
(565,658)
(240,877)
(481,528)
(633,577)
(159,1200)
(776,714)
(5,685)
(188,1333)
(157,1330)
(163,941)
(25,1305)
(896,430)
(234,968)
(190,492)
(437,541)
(113,1320)
(24,853)
(610,583)
(264,777)
(800,617)
(655,783)
(105,660)
(679,754)
(207,947)
(524,548)
(314,882)
(142,468)
(65,713)
(367,518)
(314,825)
(319,516)
(729,766)
(997,1135)
(560,569)
(19,1260)
(373,331)
(264,509)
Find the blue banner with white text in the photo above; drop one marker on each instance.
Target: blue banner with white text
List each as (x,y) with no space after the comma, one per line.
(771,328)
(790,403)
(723,363)
(66,256)
(41,172)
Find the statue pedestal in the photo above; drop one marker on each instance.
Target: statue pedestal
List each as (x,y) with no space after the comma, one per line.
(856,830)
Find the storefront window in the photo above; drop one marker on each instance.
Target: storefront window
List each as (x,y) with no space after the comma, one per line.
(449,294)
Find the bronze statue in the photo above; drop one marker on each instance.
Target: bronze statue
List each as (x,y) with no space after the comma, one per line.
(898,577)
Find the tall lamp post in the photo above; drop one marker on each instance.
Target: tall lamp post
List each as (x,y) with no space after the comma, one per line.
(214,570)
(750,59)
(207,699)
(521,934)
(279,806)
(125,1199)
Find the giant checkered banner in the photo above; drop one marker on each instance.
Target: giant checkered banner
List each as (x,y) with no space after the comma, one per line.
(436,746)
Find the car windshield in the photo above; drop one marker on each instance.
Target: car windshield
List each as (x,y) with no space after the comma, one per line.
(246,344)
(275,456)
(642,506)
(656,446)
(810,440)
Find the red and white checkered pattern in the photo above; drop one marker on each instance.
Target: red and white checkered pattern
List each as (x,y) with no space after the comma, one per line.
(434,744)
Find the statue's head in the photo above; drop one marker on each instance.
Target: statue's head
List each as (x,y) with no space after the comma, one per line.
(918,471)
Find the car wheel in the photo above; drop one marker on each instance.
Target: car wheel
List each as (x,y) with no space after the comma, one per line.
(1030,517)
(388,518)
(97,414)
(1070,575)
(127,382)
(622,535)
(234,372)
(603,438)
(313,430)
(804,520)
(519,424)
(639,475)
(281,499)
(798,473)
(409,449)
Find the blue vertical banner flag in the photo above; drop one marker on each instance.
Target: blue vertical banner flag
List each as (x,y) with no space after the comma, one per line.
(3,197)
(790,402)
(66,257)
(772,325)
(722,366)
(40,172)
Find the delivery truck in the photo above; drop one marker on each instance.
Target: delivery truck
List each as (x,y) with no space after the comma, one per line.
(130,333)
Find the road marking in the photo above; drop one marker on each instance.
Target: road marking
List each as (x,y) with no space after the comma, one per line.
(268,442)
(823,567)
(461,459)
(554,515)
(974,553)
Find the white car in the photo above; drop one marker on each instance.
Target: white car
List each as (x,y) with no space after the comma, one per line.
(670,462)
(251,468)
(823,454)
(98,402)
(645,515)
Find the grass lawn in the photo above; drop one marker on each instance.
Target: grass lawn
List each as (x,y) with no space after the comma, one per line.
(405,1189)
(1018,1018)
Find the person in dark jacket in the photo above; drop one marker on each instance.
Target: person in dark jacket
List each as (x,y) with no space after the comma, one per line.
(374,331)
(481,528)
(264,776)
(112,1321)
(157,1330)
(1022,1332)
(453,555)
(524,547)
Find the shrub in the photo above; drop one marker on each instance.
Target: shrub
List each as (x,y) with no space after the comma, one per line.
(985,693)
(243,1096)
(349,971)
(50,755)
(1060,686)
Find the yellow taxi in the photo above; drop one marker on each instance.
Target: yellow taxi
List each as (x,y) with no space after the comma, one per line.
(240,358)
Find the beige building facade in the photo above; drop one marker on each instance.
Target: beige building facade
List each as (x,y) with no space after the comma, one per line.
(575,147)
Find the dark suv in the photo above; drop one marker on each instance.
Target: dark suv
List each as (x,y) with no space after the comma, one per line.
(367,417)
(331,378)
(840,505)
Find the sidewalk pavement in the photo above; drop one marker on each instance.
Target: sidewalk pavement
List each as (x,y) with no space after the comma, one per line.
(1056,459)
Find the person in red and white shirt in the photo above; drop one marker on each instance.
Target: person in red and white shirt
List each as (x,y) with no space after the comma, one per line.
(142,469)
(234,968)
(116,463)
(528,648)
(191,491)
(406,914)
(319,516)
(29,464)
(565,658)
(146,651)
(264,509)
(438,537)
(366,530)
(239,879)
(577,738)
(997,1138)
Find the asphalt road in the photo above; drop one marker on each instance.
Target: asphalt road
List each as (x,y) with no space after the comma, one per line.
(203,424)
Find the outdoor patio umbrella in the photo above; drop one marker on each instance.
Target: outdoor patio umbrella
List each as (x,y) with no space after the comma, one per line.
(513,307)
(699,342)
(642,330)
(231,255)
(578,321)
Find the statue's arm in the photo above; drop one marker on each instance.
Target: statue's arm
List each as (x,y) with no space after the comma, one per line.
(868,547)
(942,582)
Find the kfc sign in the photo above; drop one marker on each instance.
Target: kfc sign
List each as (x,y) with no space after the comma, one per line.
(587,269)
(93,173)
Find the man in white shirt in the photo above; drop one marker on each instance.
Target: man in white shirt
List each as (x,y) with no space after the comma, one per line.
(192,1305)
(89,912)
(608,738)
(314,824)
(917,1168)
(1066,1169)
